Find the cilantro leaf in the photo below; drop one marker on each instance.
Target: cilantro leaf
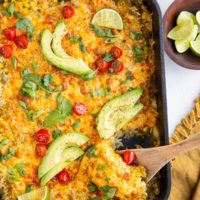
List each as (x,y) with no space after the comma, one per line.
(4,142)
(8,156)
(135,36)
(92,152)
(32,115)
(28,189)
(13,175)
(56,133)
(20,168)
(14,62)
(76,124)
(26,25)
(109,192)
(108,57)
(23,105)
(75,39)
(101,32)
(92,187)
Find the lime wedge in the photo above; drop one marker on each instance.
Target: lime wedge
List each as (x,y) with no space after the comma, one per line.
(198,17)
(182,31)
(195,47)
(184,16)
(40,194)
(183,45)
(108,18)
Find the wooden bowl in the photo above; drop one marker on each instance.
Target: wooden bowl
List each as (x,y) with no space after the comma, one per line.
(187,59)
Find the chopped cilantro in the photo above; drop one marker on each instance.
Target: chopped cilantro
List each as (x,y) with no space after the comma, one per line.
(135,36)
(107,179)
(32,115)
(82,47)
(56,133)
(139,53)
(35,67)
(23,105)
(94,112)
(18,15)
(28,189)
(75,39)
(92,187)
(7,156)
(108,192)
(11,9)
(92,152)
(108,57)
(110,40)
(20,168)
(13,175)
(14,62)
(106,32)
(64,109)
(4,142)
(76,124)
(26,25)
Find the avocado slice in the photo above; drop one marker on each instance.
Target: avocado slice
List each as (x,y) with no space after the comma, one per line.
(59,32)
(118,112)
(54,153)
(70,64)
(68,156)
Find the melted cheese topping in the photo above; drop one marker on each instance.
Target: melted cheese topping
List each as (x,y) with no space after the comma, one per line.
(15,126)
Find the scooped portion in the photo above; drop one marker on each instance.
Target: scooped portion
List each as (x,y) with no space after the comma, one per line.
(106,174)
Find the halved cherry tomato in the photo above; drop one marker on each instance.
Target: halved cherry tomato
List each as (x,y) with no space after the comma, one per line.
(68,12)
(42,136)
(80,109)
(21,41)
(129,157)
(6,51)
(10,33)
(102,65)
(116,52)
(41,149)
(63,177)
(117,66)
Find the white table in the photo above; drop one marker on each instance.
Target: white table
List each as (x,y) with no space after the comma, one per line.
(183,85)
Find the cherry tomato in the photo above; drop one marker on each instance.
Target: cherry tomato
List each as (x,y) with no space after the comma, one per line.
(41,149)
(116,52)
(21,41)
(102,65)
(129,157)
(80,109)
(42,136)
(117,66)
(63,177)
(68,12)
(10,33)
(6,51)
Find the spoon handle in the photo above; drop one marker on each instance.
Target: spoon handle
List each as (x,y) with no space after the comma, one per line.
(182,147)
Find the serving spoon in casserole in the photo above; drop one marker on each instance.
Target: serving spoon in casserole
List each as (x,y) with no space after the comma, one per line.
(153,159)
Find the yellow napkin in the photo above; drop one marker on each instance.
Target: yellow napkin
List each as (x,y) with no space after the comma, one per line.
(186,168)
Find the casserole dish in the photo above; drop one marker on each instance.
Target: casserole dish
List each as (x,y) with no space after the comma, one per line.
(90,175)
(162,102)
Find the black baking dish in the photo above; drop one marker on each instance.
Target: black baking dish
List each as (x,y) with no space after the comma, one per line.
(162,101)
(154,8)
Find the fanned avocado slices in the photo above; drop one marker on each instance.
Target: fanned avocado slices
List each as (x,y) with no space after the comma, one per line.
(68,156)
(59,58)
(55,155)
(116,113)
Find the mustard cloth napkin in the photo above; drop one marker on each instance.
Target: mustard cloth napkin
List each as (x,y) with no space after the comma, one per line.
(186,168)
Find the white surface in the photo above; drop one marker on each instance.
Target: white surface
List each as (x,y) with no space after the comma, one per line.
(183,85)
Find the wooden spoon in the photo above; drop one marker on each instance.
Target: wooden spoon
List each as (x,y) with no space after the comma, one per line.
(153,159)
